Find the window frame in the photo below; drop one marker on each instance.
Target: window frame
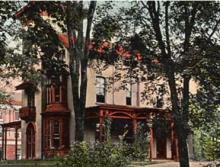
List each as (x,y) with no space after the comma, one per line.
(100,98)
(129,94)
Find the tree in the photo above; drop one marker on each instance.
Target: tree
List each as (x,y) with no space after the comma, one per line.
(174,39)
(7,30)
(205,111)
(69,16)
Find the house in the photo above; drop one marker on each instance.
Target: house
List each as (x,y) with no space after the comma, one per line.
(10,124)
(47,126)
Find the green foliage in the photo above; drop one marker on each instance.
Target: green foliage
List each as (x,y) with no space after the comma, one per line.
(107,129)
(3,96)
(140,148)
(206,146)
(205,121)
(98,155)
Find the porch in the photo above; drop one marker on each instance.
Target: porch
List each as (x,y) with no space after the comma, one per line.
(124,124)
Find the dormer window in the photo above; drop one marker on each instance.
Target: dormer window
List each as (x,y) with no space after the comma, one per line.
(100,89)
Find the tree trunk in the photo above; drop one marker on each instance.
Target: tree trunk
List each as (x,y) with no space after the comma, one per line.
(79,122)
(78,53)
(178,120)
(182,144)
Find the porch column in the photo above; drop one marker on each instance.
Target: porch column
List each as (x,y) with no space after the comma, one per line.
(3,141)
(172,140)
(177,149)
(134,124)
(5,151)
(151,143)
(151,139)
(100,125)
(16,143)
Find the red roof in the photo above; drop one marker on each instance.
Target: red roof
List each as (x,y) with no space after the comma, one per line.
(120,51)
(64,39)
(26,8)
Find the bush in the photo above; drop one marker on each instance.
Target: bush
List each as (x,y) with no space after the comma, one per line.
(98,155)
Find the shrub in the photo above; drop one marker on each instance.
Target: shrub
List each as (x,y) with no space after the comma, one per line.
(98,155)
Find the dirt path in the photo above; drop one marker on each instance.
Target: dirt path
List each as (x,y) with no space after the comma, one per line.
(176,164)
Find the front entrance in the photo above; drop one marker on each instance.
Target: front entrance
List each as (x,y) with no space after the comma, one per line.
(30,140)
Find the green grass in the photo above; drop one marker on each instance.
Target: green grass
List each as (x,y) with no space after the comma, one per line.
(52,163)
(28,163)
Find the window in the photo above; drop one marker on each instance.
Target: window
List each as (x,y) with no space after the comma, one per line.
(128,94)
(100,89)
(56,90)
(16,115)
(52,134)
(56,134)
(30,99)
(57,93)
(47,135)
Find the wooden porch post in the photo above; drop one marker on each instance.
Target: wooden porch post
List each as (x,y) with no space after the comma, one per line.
(16,143)
(177,150)
(100,125)
(5,151)
(150,125)
(172,140)
(151,143)
(134,123)
(3,142)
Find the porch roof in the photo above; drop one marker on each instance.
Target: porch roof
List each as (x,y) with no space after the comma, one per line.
(14,124)
(125,108)
(124,112)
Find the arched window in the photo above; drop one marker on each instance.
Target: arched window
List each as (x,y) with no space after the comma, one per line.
(100,89)
(30,140)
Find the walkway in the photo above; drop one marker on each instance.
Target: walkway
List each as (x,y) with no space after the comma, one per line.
(176,164)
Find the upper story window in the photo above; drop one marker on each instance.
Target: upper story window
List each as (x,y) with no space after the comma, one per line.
(56,90)
(30,99)
(100,89)
(16,115)
(128,95)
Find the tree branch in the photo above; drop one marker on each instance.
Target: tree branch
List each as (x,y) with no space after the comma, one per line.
(167,27)
(90,16)
(189,23)
(156,26)
(214,30)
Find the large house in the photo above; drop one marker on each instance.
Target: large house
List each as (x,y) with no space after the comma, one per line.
(47,126)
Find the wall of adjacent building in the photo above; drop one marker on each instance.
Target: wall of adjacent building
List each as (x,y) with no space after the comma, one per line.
(9,113)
